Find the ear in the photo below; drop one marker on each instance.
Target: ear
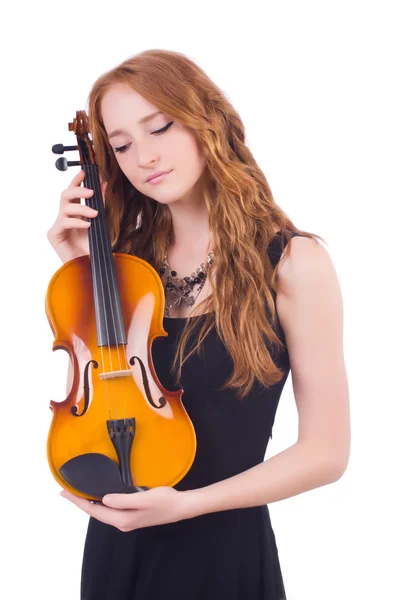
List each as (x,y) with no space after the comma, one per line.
(103,191)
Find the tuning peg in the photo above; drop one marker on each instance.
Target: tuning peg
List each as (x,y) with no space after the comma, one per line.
(62,164)
(60,148)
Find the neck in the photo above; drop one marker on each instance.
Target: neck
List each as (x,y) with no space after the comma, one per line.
(190,227)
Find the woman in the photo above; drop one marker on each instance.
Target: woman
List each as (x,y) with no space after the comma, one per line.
(242,319)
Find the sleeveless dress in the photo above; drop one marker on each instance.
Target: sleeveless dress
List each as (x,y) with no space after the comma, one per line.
(224,555)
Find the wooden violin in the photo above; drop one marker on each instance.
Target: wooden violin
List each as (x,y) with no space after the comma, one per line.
(118,430)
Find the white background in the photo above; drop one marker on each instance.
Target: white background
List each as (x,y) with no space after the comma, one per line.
(314,83)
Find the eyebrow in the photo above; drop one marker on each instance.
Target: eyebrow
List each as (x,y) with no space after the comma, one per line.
(141,121)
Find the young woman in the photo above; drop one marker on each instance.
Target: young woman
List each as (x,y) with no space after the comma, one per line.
(260,298)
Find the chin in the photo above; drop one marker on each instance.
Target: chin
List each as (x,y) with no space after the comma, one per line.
(166,201)
(164,197)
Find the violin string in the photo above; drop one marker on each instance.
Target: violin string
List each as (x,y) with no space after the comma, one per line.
(94,184)
(119,315)
(94,244)
(97,190)
(96,187)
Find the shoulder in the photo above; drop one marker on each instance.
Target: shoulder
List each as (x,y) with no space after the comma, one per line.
(308,263)
(309,307)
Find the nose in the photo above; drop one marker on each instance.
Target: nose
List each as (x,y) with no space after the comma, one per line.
(146,155)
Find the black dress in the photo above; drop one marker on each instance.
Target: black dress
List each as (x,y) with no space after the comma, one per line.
(224,555)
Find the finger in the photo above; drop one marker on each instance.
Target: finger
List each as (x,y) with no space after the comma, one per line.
(125,501)
(74,194)
(70,223)
(81,210)
(77,179)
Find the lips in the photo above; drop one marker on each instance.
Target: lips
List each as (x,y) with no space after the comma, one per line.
(156,175)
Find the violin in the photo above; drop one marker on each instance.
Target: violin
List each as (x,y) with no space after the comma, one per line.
(118,430)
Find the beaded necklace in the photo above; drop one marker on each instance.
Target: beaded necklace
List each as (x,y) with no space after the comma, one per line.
(178,290)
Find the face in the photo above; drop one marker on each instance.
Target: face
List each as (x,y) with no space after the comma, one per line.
(144,148)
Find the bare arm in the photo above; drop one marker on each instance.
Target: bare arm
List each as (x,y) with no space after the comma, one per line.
(309,305)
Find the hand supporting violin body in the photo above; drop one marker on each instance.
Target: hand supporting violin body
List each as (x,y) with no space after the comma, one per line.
(127,512)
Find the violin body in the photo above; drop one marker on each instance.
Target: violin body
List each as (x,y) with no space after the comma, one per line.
(118,430)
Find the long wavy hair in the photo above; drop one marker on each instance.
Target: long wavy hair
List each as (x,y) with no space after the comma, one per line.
(243,215)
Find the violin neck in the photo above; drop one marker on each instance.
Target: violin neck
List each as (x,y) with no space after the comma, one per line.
(109,320)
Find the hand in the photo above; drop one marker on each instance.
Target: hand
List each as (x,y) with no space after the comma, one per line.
(143,509)
(69,233)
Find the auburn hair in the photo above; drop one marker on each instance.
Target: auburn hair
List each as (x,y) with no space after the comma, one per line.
(243,215)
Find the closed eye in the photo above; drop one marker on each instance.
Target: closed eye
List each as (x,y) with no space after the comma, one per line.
(124,148)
